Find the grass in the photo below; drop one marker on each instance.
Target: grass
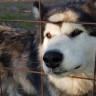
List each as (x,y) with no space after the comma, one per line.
(21,7)
(19,16)
(26,25)
(14,15)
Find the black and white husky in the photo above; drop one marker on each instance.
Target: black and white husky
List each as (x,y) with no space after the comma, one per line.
(68,47)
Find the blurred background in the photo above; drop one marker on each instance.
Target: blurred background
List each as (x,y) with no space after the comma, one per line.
(21,10)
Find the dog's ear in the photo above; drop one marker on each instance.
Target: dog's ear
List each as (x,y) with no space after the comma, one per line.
(36,10)
(90,7)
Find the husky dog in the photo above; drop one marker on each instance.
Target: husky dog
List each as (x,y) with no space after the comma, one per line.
(68,46)
(15,50)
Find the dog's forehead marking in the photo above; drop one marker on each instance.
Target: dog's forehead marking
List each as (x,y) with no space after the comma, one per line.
(51,28)
(66,16)
(66,28)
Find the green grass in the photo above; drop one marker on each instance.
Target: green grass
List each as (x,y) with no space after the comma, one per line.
(19,16)
(26,25)
(21,7)
(8,16)
(16,16)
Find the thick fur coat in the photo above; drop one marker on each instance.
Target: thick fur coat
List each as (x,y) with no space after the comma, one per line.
(16,51)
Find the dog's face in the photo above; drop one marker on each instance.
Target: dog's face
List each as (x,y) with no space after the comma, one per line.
(68,48)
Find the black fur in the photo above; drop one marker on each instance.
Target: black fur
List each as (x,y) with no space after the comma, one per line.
(93,34)
(1,37)
(5,59)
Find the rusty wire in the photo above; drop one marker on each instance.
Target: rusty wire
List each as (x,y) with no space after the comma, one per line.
(39,21)
(37,72)
(41,72)
(41,43)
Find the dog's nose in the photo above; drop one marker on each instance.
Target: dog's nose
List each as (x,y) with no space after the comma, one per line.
(53,58)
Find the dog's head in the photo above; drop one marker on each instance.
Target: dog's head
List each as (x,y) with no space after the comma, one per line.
(67,47)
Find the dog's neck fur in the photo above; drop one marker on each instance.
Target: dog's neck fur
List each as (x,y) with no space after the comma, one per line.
(81,86)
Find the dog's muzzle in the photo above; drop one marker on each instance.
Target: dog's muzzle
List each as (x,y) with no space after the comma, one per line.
(53,58)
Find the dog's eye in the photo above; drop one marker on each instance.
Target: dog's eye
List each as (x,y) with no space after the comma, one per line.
(48,35)
(76,32)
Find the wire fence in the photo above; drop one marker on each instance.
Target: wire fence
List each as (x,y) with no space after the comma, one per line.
(42,73)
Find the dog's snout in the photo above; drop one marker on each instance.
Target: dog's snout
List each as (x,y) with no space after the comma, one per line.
(53,58)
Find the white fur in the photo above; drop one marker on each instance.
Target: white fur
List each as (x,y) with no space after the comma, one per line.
(66,16)
(36,13)
(78,50)
(73,85)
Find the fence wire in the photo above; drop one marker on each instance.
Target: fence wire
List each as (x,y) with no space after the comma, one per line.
(42,73)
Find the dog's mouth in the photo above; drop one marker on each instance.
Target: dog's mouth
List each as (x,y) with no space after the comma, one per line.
(58,72)
(62,72)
